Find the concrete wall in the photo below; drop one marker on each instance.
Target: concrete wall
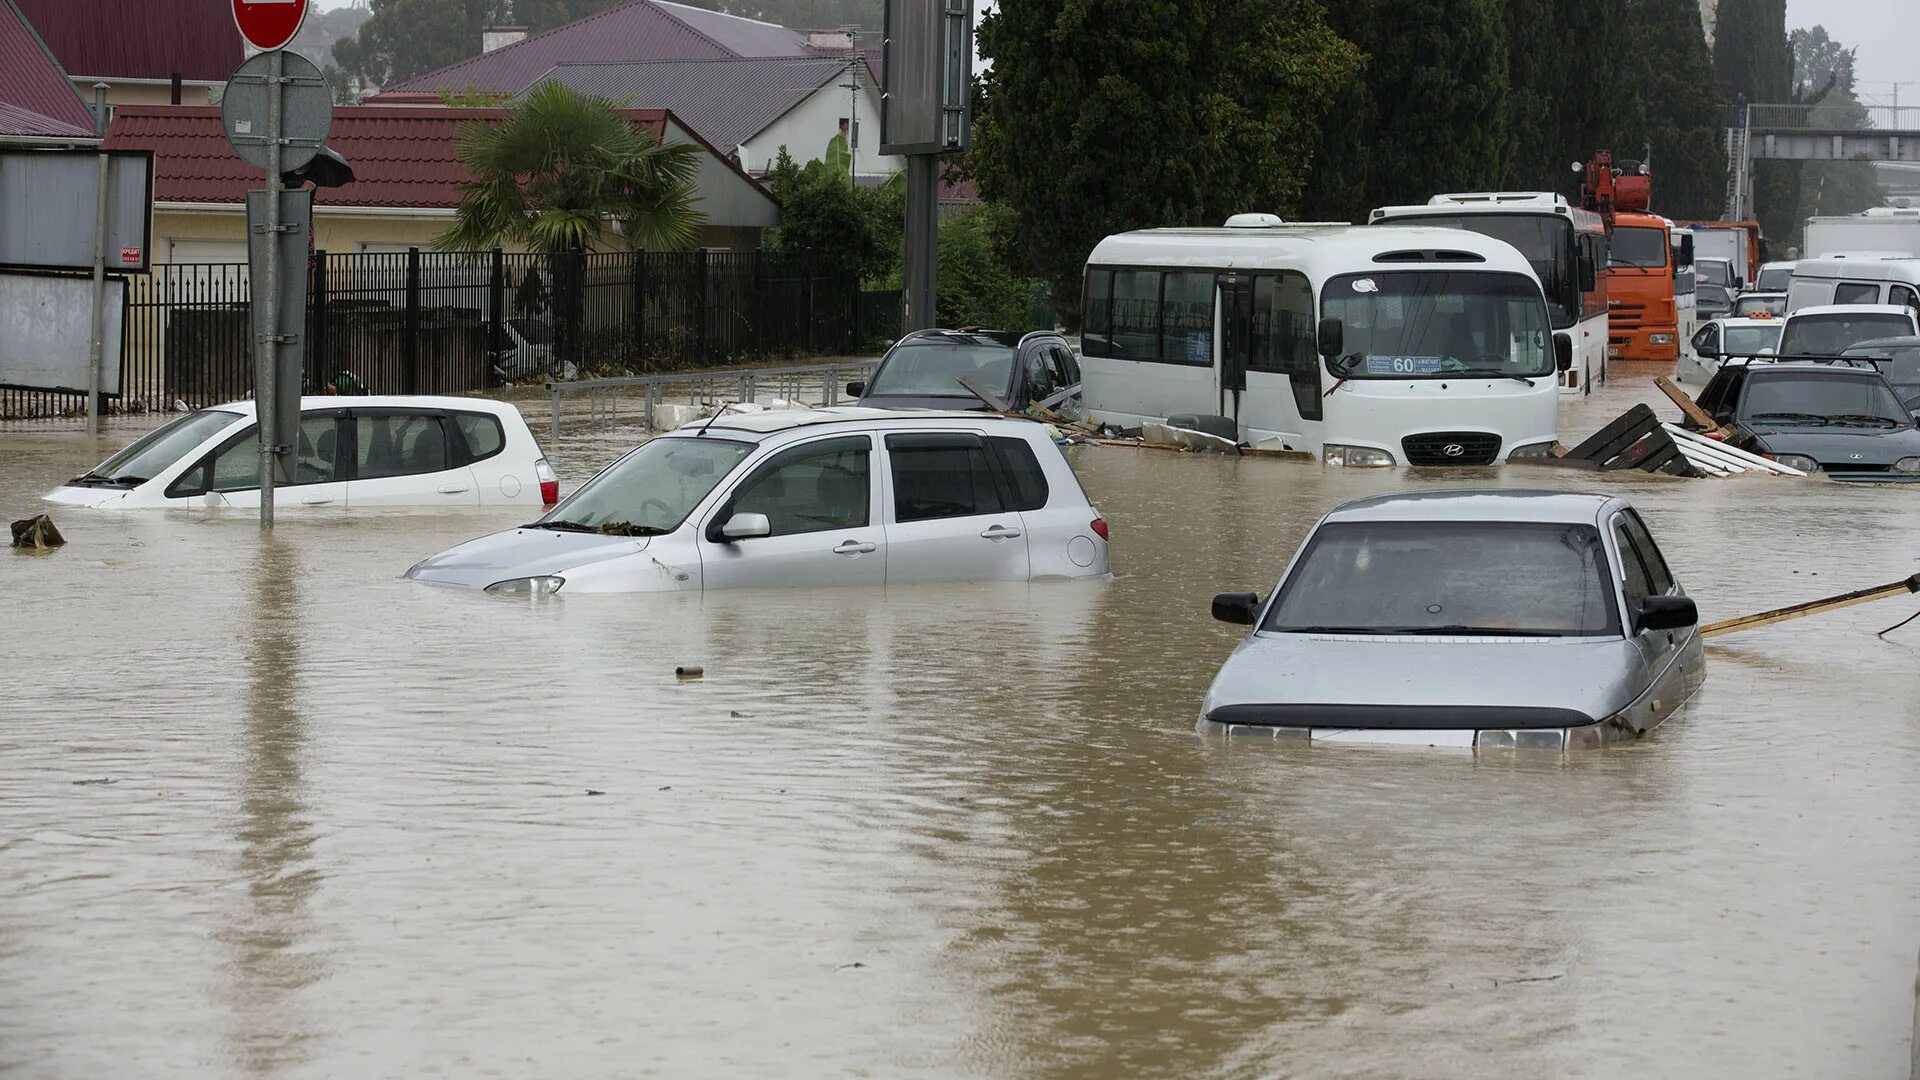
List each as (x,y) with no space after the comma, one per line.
(809,126)
(728,199)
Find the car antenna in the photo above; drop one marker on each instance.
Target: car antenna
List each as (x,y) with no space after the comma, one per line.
(710,420)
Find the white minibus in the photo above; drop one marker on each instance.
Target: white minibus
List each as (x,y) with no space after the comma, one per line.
(1855,279)
(1364,345)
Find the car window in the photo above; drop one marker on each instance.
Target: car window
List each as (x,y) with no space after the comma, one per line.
(1904,295)
(941,476)
(935,368)
(1717,395)
(1634,576)
(1066,371)
(1659,578)
(482,432)
(399,444)
(1749,340)
(1829,333)
(236,467)
(809,488)
(1841,392)
(152,453)
(1855,292)
(1041,378)
(1707,340)
(1026,481)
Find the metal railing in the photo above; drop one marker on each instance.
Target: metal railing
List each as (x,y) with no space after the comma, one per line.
(1835,116)
(809,384)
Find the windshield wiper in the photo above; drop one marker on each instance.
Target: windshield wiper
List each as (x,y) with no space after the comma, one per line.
(1794,417)
(116,481)
(562,526)
(1865,418)
(628,528)
(1503,375)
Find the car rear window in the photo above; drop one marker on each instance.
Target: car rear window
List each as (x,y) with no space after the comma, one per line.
(1026,481)
(483,433)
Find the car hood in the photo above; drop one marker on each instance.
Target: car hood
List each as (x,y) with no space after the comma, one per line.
(518,553)
(1595,677)
(1838,445)
(85,495)
(909,401)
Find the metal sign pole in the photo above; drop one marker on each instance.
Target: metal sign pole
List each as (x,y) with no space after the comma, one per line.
(98,344)
(267,348)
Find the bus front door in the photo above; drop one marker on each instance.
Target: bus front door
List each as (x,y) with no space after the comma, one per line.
(1236,342)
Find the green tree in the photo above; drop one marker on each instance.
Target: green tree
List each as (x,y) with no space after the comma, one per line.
(1823,76)
(1560,112)
(1753,63)
(1684,116)
(1099,116)
(977,281)
(560,167)
(849,231)
(1430,115)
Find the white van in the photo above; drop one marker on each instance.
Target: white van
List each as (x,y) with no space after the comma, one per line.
(1853,279)
(1364,345)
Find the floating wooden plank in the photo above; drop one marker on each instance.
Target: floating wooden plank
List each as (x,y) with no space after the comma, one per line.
(1812,607)
(1694,413)
(994,401)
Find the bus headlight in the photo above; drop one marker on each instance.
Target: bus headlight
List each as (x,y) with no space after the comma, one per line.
(1659,339)
(1532,450)
(1359,457)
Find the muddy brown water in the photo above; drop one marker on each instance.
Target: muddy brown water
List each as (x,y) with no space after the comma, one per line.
(267,809)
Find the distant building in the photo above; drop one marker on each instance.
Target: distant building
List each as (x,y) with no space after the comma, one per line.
(153,51)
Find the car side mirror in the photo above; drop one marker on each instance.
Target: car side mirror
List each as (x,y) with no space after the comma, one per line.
(856,389)
(1236,607)
(1332,337)
(745,527)
(1563,351)
(1588,274)
(1666,613)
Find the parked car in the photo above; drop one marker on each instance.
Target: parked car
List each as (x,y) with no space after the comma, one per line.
(846,496)
(1719,272)
(1722,339)
(1485,619)
(1834,418)
(1712,301)
(353,451)
(1898,359)
(923,371)
(1828,330)
(1774,277)
(1749,304)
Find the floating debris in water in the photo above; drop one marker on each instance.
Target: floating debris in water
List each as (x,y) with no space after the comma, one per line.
(37,534)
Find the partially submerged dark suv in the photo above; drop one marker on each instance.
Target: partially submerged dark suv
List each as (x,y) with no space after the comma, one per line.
(923,371)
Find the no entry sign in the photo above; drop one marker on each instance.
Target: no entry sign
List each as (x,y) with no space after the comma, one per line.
(269,24)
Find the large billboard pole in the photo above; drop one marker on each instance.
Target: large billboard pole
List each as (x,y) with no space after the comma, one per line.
(925,111)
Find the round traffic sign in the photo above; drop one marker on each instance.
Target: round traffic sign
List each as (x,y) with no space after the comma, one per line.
(306,109)
(269,24)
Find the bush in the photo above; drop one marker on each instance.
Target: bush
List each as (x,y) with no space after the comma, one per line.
(977,283)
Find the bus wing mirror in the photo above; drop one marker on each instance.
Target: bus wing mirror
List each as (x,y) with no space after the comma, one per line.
(1563,351)
(1332,337)
(1589,274)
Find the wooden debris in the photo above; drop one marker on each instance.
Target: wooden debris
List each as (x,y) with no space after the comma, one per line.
(1812,607)
(37,534)
(1695,415)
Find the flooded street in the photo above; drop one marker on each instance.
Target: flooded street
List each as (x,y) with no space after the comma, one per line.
(268,809)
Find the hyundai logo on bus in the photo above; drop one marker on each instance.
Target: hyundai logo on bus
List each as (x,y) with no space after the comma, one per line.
(1453,449)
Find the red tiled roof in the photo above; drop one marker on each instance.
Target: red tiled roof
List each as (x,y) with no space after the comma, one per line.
(401,157)
(147,39)
(32,82)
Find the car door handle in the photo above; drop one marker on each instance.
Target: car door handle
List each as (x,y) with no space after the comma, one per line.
(855,547)
(999,532)
(452,489)
(315,500)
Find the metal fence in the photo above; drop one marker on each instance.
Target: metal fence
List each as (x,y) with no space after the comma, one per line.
(1835,116)
(446,322)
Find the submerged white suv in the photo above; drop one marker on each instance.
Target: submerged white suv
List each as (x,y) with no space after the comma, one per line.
(847,496)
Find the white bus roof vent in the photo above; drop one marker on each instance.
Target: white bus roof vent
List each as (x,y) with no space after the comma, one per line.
(1255,221)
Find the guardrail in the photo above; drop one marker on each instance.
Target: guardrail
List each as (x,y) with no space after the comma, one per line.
(1831,117)
(802,383)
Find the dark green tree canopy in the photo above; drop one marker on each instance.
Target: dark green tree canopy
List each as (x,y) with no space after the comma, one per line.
(1684,133)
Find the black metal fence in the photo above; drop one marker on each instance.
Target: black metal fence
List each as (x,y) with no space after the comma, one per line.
(445,322)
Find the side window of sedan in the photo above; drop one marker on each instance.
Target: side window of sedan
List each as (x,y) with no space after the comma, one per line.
(1041,378)
(1706,342)
(1659,578)
(809,488)
(943,475)
(1634,577)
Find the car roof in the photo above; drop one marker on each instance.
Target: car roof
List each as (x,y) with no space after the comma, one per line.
(1742,320)
(970,336)
(1520,504)
(1905,342)
(384,401)
(1850,309)
(1793,367)
(773,421)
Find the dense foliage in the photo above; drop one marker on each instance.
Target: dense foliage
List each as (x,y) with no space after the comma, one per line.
(1683,120)
(850,231)
(1753,63)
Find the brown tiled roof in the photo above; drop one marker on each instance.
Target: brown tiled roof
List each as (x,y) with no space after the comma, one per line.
(401,156)
(140,39)
(40,100)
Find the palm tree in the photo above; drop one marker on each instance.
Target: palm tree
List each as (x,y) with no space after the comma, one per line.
(560,167)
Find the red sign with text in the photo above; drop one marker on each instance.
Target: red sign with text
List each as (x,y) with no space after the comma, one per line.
(269,24)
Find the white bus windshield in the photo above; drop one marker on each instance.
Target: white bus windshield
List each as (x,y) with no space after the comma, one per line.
(1432,324)
(1546,242)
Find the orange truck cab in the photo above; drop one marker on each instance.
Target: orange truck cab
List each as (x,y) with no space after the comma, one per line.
(1645,266)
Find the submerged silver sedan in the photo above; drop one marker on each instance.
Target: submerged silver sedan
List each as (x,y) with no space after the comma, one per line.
(1482,619)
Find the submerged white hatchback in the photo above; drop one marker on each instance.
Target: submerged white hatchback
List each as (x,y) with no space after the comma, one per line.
(847,496)
(353,451)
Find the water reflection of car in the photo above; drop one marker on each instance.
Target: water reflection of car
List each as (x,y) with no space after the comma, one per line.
(1898,359)
(923,371)
(1834,418)
(1711,300)
(848,496)
(1486,619)
(352,452)
(1724,339)
(1749,304)
(1828,330)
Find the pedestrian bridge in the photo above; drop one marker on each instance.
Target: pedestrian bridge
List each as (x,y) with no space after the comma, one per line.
(1814,133)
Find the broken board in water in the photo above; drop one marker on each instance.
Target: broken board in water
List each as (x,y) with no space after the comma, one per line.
(1636,440)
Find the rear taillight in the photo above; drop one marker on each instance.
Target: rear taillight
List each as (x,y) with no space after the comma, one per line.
(549,482)
(1100,527)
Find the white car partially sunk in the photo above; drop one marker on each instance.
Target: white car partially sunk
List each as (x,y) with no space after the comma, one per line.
(815,497)
(403,451)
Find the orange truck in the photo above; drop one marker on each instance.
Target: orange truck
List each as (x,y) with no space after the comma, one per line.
(1649,266)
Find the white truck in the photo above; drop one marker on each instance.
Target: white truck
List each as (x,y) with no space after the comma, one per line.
(1884,230)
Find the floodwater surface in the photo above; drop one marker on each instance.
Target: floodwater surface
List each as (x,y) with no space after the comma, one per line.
(268,809)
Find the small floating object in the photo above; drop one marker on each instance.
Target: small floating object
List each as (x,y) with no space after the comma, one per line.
(37,533)
(689,671)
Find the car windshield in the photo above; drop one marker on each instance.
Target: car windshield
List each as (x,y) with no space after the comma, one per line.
(651,490)
(1902,362)
(1438,577)
(1711,297)
(1772,305)
(1717,271)
(145,457)
(1775,280)
(1546,241)
(1637,245)
(1438,323)
(935,368)
(1830,334)
(1749,340)
(1829,395)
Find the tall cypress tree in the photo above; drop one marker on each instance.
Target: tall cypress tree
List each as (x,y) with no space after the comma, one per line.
(1431,112)
(1753,63)
(1684,116)
(1572,69)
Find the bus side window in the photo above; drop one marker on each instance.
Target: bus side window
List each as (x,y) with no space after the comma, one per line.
(1095,301)
(1284,338)
(1136,315)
